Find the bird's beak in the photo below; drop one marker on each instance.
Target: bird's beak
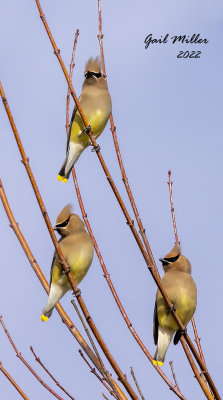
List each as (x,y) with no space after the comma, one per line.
(55,228)
(164,261)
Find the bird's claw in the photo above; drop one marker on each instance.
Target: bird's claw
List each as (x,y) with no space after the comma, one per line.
(171,309)
(77,293)
(67,272)
(96,148)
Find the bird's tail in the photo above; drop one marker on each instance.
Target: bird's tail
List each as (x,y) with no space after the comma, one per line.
(164,339)
(73,153)
(56,292)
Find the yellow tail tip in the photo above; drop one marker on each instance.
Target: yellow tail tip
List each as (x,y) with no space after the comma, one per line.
(160,363)
(64,180)
(43,318)
(59,177)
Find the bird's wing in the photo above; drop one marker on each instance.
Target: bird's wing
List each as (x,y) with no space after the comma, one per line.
(51,269)
(155,325)
(70,126)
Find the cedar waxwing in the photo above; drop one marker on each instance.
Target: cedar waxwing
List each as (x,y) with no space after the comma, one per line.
(181,289)
(77,248)
(95,102)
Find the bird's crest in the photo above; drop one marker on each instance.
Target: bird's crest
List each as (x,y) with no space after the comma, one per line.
(93,65)
(176,251)
(64,214)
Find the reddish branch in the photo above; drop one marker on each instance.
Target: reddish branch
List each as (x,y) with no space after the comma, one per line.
(71,72)
(197,340)
(137,385)
(170,184)
(64,317)
(119,157)
(93,371)
(132,227)
(19,355)
(127,186)
(61,257)
(107,276)
(114,293)
(48,372)
(8,376)
(174,376)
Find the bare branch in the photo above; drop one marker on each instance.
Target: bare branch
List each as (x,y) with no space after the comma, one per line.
(174,376)
(93,370)
(132,227)
(197,340)
(8,376)
(119,157)
(61,257)
(64,317)
(47,371)
(19,355)
(71,73)
(172,207)
(137,385)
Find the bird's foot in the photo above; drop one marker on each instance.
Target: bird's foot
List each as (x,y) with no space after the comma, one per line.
(171,309)
(183,331)
(66,272)
(96,148)
(77,293)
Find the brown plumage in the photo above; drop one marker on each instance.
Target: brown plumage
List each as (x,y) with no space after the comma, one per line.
(77,248)
(181,289)
(95,102)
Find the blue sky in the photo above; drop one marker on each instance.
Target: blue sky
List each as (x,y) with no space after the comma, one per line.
(168,114)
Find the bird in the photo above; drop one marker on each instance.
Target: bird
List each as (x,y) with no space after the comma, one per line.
(181,289)
(77,248)
(95,102)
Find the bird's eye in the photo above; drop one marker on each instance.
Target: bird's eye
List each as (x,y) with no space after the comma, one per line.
(171,259)
(89,74)
(63,224)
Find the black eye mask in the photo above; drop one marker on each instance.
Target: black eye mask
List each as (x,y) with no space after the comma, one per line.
(89,74)
(169,260)
(63,224)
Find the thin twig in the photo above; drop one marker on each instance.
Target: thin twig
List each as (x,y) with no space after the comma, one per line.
(105,374)
(64,317)
(72,64)
(93,370)
(106,274)
(8,376)
(197,339)
(104,396)
(125,179)
(48,372)
(137,385)
(174,376)
(130,222)
(88,334)
(61,257)
(19,355)
(170,183)
(114,293)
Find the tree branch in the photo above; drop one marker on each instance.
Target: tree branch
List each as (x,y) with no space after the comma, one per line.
(137,385)
(51,376)
(19,355)
(8,376)
(64,317)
